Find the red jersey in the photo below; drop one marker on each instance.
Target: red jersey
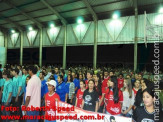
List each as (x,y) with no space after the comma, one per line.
(111,107)
(104,82)
(86,83)
(80,98)
(135,92)
(120,83)
(50,101)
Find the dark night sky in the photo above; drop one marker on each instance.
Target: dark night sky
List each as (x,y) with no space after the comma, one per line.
(123,54)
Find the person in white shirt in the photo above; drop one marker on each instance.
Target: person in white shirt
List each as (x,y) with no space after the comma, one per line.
(128,98)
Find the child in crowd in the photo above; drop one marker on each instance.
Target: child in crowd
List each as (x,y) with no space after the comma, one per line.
(79,96)
(50,100)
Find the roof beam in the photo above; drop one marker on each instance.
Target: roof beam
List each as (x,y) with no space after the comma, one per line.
(63,20)
(13,23)
(95,18)
(131,2)
(23,13)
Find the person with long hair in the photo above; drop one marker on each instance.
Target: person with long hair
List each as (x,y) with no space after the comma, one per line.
(138,99)
(113,97)
(128,98)
(147,113)
(89,76)
(60,89)
(98,86)
(90,97)
(79,96)
(70,90)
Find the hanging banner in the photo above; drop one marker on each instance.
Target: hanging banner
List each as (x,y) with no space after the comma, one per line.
(69,113)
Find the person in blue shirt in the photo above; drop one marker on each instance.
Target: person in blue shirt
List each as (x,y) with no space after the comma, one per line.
(64,75)
(75,81)
(44,90)
(61,89)
(17,93)
(56,73)
(7,92)
(44,87)
(24,77)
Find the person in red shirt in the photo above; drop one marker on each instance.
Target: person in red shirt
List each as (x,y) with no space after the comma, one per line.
(113,97)
(89,76)
(50,100)
(120,81)
(106,78)
(136,87)
(79,96)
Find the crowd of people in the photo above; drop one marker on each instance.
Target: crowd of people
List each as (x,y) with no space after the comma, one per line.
(112,91)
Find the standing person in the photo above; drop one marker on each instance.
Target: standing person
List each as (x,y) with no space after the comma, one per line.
(61,89)
(138,99)
(19,67)
(79,96)
(70,90)
(50,100)
(56,73)
(44,87)
(113,97)
(17,94)
(2,81)
(89,76)
(120,81)
(27,79)
(106,78)
(24,77)
(147,113)
(64,75)
(81,77)
(75,81)
(128,99)
(33,93)
(90,97)
(98,86)
(7,93)
(44,90)
(136,87)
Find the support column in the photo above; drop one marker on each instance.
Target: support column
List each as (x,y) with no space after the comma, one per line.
(136,33)
(95,45)
(40,49)
(21,47)
(6,46)
(64,48)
